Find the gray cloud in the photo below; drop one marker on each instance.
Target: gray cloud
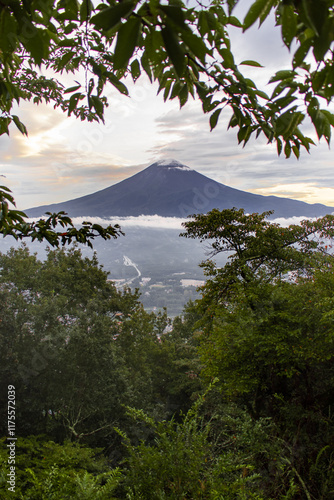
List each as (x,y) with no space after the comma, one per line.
(257,166)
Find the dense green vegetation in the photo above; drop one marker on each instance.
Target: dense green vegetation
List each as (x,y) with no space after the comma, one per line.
(233,400)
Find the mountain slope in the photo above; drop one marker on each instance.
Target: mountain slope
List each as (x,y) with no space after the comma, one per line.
(170,189)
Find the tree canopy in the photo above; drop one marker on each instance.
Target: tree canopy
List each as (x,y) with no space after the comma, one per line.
(235,403)
(266,330)
(185,48)
(259,251)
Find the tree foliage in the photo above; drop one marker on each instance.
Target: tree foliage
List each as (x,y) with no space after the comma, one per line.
(259,251)
(77,349)
(266,331)
(45,469)
(188,459)
(186,49)
(90,365)
(56,228)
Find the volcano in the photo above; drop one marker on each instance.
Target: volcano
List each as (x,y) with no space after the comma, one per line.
(170,189)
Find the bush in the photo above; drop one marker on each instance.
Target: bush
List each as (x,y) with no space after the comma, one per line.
(50,471)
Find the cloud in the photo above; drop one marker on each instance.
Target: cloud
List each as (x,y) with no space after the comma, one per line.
(152,221)
(311,193)
(158,222)
(149,221)
(255,168)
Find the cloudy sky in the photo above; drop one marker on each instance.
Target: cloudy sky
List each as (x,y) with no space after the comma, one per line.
(64,158)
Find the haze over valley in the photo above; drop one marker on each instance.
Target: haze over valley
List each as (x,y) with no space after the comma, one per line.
(150,207)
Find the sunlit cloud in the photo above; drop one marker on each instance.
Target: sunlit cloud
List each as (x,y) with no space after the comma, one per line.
(310,193)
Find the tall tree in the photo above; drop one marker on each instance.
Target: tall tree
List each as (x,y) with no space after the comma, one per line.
(77,349)
(259,251)
(266,330)
(59,320)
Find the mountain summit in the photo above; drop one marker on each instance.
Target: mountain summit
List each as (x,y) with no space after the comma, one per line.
(170,189)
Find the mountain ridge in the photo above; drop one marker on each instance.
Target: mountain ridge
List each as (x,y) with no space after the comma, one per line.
(171,189)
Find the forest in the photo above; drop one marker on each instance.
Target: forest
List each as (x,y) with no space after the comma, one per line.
(231,400)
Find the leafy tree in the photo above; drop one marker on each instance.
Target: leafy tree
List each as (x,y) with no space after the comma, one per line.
(267,333)
(259,251)
(178,367)
(276,359)
(58,322)
(77,350)
(14,223)
(201,459)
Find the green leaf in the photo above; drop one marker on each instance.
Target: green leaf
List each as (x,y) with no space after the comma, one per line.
(86,9)
(279,146)
(231,4)
(19,125)
(259,10)
(202,23)
(212,21)
(319,78)
(174,50)
(288,122)
(146,65)
(127,39)
(285,101)
(195,44)
(279,89)
(214,118)
(109,17)
(301,53)
(322,124)
(174,13)
(183,95)
(289,24)
(154,48)
(98,105)
(287,150)
(71,9)
(4,125)
(321,45)
(234,21)
(8,31)
(65,59)
(248,62)
(117,83)
(284,74)
(228,58)
(244,134)
(135,70)
(167,90)
(37,43)
(262,94)
(176,89)
(329,116)
(308,17)
(296,151)
(73,102)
